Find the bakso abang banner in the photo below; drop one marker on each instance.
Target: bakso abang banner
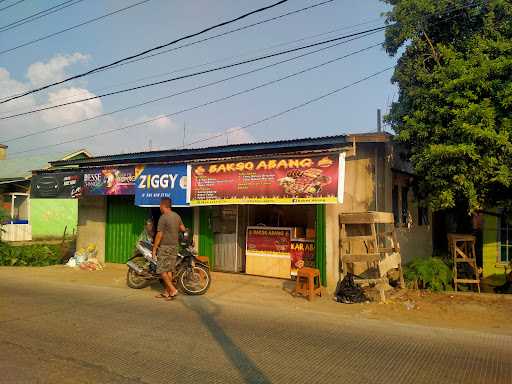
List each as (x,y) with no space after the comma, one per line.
(278,180)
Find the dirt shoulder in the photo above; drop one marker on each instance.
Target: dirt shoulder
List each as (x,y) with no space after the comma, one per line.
(480,312)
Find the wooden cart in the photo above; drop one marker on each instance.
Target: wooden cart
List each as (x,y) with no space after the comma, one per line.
(369,238)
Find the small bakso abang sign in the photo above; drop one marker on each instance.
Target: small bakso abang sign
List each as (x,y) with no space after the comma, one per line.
(153,182)
(278,180)
(268,251)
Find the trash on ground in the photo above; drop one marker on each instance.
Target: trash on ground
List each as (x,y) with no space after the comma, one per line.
(348,292)
(86,259)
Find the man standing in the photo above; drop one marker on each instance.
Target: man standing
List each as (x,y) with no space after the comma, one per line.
(165,248)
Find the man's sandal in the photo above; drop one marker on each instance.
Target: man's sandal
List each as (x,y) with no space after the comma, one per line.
(172,297)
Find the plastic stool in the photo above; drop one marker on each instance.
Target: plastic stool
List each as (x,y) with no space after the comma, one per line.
(308,283)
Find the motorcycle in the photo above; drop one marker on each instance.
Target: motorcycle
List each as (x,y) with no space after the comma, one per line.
(192,277)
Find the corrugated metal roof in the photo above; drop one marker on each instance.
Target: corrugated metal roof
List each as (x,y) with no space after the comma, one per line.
(208,152)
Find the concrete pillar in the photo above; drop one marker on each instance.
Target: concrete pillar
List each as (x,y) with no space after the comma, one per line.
(92,219)
(332,240)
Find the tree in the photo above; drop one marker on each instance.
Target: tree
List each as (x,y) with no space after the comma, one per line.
(454,110)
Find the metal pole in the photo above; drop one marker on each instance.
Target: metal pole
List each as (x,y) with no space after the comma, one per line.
(184,131)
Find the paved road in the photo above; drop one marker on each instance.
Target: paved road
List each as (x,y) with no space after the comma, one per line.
(54,332)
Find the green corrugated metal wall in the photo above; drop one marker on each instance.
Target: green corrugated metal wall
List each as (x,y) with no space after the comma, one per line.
(206,234)
(125,222)
(321,259)
(187,216)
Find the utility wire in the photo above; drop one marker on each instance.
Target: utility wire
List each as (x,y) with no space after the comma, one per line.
(223,33)
(310,101)
(374,30)
(140,53)
(196,88)
(67,30)
(190,67)
(299,106)
(9,98)
(291,109)
(39,15)
(11,5)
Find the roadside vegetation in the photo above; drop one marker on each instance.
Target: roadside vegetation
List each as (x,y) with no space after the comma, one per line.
(430,273)
(35,255)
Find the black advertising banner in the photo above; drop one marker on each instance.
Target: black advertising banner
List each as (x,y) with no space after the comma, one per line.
(56,185)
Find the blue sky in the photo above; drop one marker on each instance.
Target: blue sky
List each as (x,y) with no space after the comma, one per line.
(159,21)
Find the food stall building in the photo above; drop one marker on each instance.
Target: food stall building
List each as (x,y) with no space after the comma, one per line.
(259,208)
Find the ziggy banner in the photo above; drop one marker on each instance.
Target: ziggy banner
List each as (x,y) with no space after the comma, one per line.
(156,181)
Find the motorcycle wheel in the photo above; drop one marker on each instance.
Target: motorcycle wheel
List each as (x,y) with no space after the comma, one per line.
(194,281)
(133,279)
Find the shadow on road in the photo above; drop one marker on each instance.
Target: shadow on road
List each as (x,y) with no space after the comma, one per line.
(207,310)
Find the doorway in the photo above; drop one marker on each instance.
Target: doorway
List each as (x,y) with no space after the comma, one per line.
(225,238)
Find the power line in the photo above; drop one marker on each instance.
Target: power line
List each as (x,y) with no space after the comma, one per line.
(374,30)
(215,101)
(189,90)
(246,27)
(140,53)
(285,111)
(39,15)
(190,67)
(294,108)
(291,109)
(67,30)
(224,33)
(11,5)
(9,98)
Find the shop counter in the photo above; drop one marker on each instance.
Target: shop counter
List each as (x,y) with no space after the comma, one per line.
(273,252)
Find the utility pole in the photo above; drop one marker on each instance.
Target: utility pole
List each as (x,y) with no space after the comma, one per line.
(184,132)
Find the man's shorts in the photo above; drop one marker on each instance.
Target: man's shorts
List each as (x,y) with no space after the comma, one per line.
(166,258)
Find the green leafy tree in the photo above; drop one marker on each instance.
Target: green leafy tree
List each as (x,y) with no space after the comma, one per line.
(454,110)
